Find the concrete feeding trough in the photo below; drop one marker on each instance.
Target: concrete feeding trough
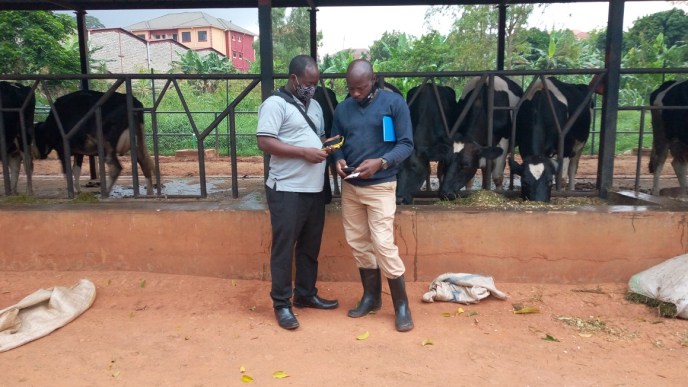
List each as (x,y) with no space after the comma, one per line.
(192,154)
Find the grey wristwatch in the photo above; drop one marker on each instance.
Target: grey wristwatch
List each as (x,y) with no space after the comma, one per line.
(385,165)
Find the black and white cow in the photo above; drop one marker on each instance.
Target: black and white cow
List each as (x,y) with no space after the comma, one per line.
(71,108)
(670,132)
(470,148)
(430,140)
(537,134)
(14,96)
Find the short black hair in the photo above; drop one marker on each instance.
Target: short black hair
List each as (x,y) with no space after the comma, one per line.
(300,63)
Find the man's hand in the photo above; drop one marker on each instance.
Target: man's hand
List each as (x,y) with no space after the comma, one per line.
(341,164)
(314,155)
(331,144)
(369,167)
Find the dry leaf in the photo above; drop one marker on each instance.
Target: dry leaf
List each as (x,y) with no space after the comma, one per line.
(143,284)
(527,310)
(472,313)
(234,283)
(363,336)
(550,338)
(279,375)
(242,369)
(459,311)
(585,334)
(246,379)
(446,314)
(427,342)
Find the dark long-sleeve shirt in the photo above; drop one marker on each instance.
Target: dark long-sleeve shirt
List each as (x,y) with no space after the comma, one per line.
(362,131)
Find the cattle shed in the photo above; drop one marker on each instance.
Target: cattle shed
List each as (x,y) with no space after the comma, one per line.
(232,240)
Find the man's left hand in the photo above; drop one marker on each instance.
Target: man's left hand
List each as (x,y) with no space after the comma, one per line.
(368,168)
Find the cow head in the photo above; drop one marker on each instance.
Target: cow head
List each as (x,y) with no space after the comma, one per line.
(537,177)
(461,163)
(40,147)
(412,173)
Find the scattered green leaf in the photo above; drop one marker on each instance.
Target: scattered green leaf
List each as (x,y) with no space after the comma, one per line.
(550,338)
(143,284)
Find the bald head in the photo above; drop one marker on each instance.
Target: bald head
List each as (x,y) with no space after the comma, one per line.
(360,79)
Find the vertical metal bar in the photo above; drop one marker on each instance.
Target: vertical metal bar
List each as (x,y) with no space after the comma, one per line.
(501,36)
(639,154)
(266,66)
(487,180)
(233,152)
(313,33)
(104,189)
(133,129)
(610,99)
(3,153)
(154,126)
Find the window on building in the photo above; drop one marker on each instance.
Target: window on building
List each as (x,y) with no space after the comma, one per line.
(233,54)
(164,36)
(175,37)
(157,36)
(202,36)
(241,56)
(233,37)
(186,37)
(239,38)
(142,36)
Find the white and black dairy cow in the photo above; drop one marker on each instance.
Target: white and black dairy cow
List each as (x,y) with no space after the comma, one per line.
(71,108)
(470,149)
(537,136)
(14,96)
(430,117)
(670,132)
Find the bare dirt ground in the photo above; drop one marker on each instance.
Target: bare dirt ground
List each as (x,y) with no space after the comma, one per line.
(148,329)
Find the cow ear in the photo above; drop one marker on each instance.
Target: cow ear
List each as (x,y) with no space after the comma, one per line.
(491,152)
(515,167)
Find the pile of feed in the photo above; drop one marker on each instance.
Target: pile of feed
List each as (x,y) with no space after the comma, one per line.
(491,199)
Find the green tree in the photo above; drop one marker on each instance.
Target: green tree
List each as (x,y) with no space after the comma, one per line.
(673,24)
(36,42)
(192,63)
(93,22)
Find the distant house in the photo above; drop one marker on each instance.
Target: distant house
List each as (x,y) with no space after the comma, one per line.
(200,31)
(117,51)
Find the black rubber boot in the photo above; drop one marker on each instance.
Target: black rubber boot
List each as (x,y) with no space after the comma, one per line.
(372,293)
(402,311)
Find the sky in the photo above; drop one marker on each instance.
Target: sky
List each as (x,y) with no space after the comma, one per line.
(359,27)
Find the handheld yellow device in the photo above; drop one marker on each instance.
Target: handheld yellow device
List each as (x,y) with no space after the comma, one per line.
(335,143)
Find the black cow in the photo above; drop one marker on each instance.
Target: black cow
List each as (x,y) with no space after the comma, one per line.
(71,108)
(14,95)
(537,177)
(430,140)
(328,104)
(537,134)
(470,149)
(669,132)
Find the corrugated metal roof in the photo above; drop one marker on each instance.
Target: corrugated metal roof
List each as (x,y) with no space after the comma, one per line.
(187,19)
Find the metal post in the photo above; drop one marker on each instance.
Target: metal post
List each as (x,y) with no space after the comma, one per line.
(610,99)
(267,83)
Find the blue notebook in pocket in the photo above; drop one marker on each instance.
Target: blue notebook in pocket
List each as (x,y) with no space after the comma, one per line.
(388,133)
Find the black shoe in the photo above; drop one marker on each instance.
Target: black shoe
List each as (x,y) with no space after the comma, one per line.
(286,319)
(314,302)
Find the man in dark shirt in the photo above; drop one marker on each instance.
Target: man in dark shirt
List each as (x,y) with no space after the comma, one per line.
(369,191)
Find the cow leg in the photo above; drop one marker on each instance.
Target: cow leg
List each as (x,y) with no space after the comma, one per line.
(114,169)
(144,160)
(499,165)
(76,172)
(680,168)
(573,164)
(657,158)
(14,163)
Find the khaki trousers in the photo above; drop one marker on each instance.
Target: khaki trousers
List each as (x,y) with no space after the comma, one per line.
(368,219)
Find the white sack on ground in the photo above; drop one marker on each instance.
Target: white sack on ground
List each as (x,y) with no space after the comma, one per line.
(462,288)
(42,312)
(666,282)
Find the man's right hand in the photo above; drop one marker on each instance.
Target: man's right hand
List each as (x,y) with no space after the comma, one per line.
(314,155)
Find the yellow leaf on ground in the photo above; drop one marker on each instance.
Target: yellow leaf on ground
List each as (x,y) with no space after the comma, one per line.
(427,342)
(446,314)
(363,336)
(247,379)
(279,375)
(459,311)
(527,310)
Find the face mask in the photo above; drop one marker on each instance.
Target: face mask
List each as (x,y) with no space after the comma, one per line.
(304,93)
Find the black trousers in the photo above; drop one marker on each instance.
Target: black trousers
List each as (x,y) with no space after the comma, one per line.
(297,224)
